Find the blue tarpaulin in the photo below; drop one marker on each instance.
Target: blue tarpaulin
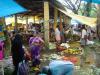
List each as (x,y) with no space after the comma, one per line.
(93,1)
(9,7)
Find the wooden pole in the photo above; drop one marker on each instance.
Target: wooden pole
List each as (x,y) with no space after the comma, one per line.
(64,18)
(16,26)
(34,19)
(55,17)
(46,24)
(26,23)
(26,20)
(61,28)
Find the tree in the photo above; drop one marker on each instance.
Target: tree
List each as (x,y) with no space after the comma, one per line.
(98,22)
(88,8)
(73,6)
(69,4)
(98,35)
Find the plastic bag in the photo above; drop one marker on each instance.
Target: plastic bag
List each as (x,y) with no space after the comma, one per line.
(23,68)
(90,42)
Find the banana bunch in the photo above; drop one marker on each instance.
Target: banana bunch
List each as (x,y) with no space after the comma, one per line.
(73,51)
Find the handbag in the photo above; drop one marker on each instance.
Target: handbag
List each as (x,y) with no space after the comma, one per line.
(23,68)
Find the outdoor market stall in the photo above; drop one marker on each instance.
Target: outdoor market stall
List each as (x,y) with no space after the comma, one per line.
(8,7)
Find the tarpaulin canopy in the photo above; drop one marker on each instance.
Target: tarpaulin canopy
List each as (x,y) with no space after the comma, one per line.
(9,7)
(82,19)
(93,1)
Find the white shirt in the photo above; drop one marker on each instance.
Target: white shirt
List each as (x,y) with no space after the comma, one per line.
(84,33)
(57,32)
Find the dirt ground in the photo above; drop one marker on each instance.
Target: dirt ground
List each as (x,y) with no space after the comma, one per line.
(85,70)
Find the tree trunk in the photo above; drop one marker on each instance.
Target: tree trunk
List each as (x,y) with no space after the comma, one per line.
(98,23)
(98,35)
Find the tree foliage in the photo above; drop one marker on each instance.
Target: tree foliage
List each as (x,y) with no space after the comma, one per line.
(78,7)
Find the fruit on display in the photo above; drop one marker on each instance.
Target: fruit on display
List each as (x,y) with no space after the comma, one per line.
(74,44)
(65,58)
(72,51)
(60,48)
(73,59)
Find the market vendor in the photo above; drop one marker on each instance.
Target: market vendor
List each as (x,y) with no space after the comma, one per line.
(57,35)
(35,47)
(59,67)
(83,36)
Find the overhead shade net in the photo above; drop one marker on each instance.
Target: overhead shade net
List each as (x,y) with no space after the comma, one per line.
(9,7)
(82,19)
(93,1)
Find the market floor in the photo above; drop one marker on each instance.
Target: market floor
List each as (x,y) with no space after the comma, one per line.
(78,71)
(44,62)
(48,55)
(85,70)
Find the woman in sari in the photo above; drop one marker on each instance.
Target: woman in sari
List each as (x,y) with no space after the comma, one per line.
(35,46)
